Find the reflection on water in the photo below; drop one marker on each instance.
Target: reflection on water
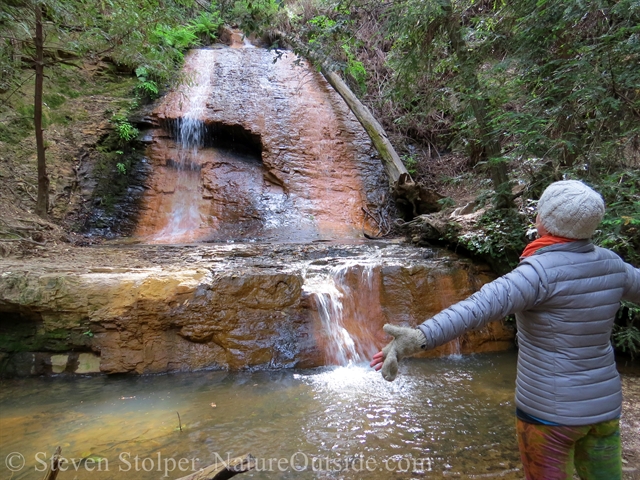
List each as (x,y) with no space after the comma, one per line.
(450,417)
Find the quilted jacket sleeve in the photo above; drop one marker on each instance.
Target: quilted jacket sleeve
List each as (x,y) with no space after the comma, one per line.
(519,290)
(632,288)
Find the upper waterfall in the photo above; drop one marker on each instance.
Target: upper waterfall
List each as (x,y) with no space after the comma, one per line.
(257,147)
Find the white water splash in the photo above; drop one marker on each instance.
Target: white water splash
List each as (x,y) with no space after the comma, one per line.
(338,308)
(341,346)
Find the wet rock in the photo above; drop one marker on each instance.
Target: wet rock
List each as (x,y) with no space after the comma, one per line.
(220,307)
(88,363)
(59,363)
(279,156)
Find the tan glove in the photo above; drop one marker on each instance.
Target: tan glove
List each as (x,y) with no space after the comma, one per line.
(406,342)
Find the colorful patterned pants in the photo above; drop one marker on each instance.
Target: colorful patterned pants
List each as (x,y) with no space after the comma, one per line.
(550,452)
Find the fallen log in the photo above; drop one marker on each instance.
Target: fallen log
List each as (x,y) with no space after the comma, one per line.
(226,470)
(411,199)
(392,163)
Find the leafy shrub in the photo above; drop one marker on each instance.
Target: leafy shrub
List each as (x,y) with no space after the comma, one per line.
(620,228)
(206,25)
(626,336)
(146,86)
(125,131)
(411,162)
(179,37)
(446,202)
(355,68)
(255,15)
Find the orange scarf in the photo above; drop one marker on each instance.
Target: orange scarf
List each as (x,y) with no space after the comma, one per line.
(542,242)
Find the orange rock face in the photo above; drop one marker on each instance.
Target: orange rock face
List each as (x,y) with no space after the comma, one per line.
(230,308)
(252,149)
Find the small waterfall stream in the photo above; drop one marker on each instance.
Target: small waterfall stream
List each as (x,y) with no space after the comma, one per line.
(183,220)
(184,215)
(349,336)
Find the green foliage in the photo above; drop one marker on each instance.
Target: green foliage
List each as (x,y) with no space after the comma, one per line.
(577,79)
(206,25)
(354,68)
(18,125)
(179,37)
(411,162)
(446,202)
(626,335)
(121,167)
(620,229)
(500,238)
(146,86)
(125,131)
(133,33)
(53,100)
(321,22)
(255,16)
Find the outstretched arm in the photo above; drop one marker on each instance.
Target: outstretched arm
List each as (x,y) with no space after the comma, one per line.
(517,291)
(514,292)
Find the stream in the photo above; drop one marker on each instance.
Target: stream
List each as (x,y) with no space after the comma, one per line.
(445,417)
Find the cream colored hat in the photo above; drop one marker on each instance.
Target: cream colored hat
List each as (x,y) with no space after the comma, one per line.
(570,209)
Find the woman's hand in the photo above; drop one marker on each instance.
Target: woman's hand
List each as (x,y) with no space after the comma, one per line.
(377,361)
(406,341)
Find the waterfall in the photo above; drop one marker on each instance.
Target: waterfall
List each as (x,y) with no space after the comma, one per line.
(249,149)
(349,310)
(341,347)
(184,216)
(453,348)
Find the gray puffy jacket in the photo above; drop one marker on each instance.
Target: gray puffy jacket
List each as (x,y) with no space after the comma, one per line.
(565,298)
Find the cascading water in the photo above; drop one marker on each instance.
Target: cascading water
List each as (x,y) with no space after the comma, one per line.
(347,312)
(341,346)
(183,220)
(356,296)
(184,217)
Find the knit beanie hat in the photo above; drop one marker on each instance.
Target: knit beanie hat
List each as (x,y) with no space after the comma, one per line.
(570,209)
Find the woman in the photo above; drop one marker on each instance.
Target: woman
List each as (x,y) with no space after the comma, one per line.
(565,293)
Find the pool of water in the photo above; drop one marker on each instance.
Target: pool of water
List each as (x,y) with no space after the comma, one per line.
(450,417)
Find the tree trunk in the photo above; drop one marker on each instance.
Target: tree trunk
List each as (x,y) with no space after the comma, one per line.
(480,107)
(42,204)
(392,163)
